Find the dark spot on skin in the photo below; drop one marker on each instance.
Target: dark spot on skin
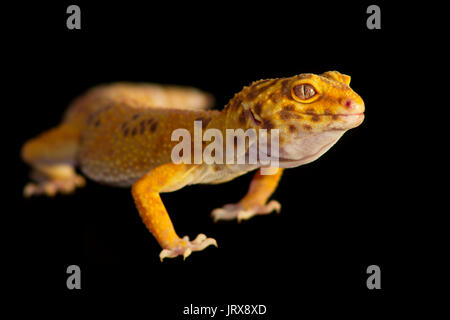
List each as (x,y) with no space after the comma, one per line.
(142,129)
(292,128)
(285,89)
(289,107)
(204,121)
(258,108)
(307,127)
(97,123)
(327,112)
(235,103)
(275,96)
(286,115)
(310,111)
(134,131)
(334,117)
(124,125)
(149,122)
(315,118)
(243,117)
(254,92)
(90,117)
(135,116)
(125,131)
(268,125)
(154,126)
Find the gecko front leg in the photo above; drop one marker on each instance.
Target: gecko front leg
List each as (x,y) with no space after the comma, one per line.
(254,202)
(154,215)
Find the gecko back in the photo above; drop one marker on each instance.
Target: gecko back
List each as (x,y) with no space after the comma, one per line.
(54,153)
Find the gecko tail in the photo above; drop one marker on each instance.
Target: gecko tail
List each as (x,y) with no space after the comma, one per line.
(52,158)
(57,145)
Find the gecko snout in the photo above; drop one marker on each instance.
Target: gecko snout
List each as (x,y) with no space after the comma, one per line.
(354,106)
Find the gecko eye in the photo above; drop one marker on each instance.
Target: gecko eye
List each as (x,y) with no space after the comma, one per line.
(304,91)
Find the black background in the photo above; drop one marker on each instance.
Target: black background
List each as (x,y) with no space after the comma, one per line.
(364,202)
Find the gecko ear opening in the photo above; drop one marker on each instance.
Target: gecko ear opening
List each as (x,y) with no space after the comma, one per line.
(335,75)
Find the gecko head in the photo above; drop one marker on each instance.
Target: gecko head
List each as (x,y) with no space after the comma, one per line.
(310,111)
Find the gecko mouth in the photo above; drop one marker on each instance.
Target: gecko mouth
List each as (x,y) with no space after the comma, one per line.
(338,121)
(333,115)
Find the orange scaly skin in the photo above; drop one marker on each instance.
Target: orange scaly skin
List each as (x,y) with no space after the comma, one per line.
(120,134)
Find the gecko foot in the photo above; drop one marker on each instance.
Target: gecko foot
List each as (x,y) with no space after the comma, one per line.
(237,211)
(52,187)
(186,247)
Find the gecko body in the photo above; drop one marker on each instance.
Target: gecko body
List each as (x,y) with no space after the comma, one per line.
(121,135)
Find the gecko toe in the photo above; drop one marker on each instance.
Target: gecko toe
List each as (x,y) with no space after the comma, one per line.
(237,211)
(51,187)
(186,247)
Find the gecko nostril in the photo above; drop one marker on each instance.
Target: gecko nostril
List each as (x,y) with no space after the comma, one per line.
(349,103)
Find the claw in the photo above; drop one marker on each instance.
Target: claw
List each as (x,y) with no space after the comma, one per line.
(166,254)
(237,211)
(187,253)
(186,247)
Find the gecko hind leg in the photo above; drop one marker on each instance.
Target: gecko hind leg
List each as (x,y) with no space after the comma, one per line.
(52,179)
(52,156)
(254,202)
